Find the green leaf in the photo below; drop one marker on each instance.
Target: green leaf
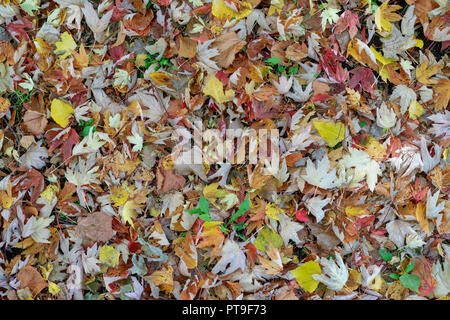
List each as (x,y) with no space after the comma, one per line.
(394,276)
(386,255)
(203,204)
(205,217)
(243,208)
(409,267)
(273,61)
(410,281)
(194,211)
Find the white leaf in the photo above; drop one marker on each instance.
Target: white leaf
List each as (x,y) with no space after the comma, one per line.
(429,162)
(408,160)
(299,95)
(363,165)
(289,229)
(385,117)
(432,209)
(406,95)
(32,158)
(37,229)
(283,85)
(334,276)
(204,54)
(232,259)
(90,261)
(315,206)
(441,124)
(398,230)
(98,26)
(318,175)
(442,277)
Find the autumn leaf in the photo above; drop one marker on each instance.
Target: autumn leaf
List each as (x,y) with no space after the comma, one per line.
(213,87)
(109,256)
(331,132)
(303,275)
(61,112)
(65,46)
(385,14)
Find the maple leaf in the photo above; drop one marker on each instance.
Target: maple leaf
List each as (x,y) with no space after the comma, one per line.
(65,46)
(442,276)
(33,157)
(329,15)
(385,117)
(348,21)
(213,87)
(334,275)
(424,72)
(232,259)
(318,174)
(299,95)
(289,229)
(363,166)
(385,14)
(432,209)
(315,206)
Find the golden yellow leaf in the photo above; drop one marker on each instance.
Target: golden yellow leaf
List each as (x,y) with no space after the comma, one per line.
(53,288)
(385,15)
(163,279)
(354,211)
(118,196)
(65,46)
(61,112)
(424,72)
(222,11)
(213,87)
(331,132)
(415,110)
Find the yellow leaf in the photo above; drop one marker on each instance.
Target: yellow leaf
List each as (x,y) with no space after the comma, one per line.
(272,211)
(129,211)
(379,56)
(424,72)
(81,57)
(214,88)
(385,15)
(211,236)
(422,218)
(275,6)
(415,110)
(53,288)
(163,278)
(49,193)
(65,46)
(61,112)
(303,275)
(354,211)
(212,193)
(118,196)
(375,149)
(222,11)
(6,198)
(109,256)
(266,236)
(331,132)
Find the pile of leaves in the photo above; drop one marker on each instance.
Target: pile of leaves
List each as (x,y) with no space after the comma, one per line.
(94,206)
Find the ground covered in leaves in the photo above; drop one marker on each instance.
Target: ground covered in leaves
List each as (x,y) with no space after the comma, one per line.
(95,204)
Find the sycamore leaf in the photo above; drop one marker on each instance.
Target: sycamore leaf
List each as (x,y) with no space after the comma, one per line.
(331,132)
(304,275)
(65,46)
(334,275)
(213,87)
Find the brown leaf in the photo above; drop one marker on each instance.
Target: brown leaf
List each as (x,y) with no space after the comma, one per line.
(188,48)
(95,227)
(166,180)
(35,122)
(228,45)
(31,278)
